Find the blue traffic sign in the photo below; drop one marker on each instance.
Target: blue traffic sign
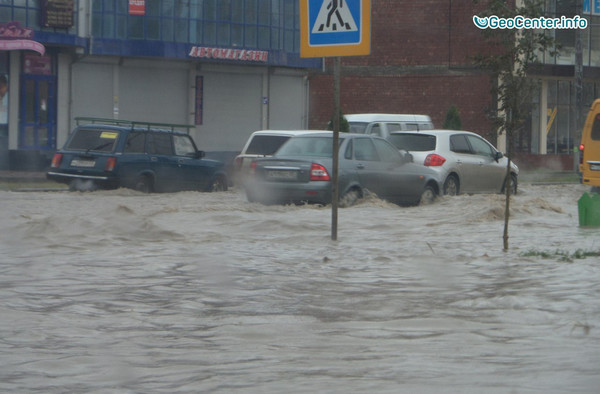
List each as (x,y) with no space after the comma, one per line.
(335,27)
(334,22)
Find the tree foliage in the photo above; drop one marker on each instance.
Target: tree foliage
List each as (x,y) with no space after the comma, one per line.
(452,121)
(511,56)
(344,125)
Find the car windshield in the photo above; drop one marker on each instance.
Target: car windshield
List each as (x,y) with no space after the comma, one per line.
(358,127)
(307,146)
(413,142)
(266,144)
(93,140)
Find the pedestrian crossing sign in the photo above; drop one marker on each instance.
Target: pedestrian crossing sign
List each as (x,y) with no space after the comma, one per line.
(335,28)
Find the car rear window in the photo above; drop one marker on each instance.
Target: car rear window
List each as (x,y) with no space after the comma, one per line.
(94,140)
(413,142)
(307,146)
(266,144)
(358,127)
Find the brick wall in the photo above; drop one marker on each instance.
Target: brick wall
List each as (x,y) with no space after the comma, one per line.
(420,94)
(420,62)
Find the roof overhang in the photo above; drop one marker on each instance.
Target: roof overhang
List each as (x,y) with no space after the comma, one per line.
(26,45)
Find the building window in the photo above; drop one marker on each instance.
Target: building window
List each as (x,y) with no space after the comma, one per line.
(262,24)
(27,13)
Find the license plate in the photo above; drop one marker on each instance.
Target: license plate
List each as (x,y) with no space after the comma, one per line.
(595,167)
(83,163)
(281,174)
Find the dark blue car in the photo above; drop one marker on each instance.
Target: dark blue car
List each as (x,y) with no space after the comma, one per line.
(110,154)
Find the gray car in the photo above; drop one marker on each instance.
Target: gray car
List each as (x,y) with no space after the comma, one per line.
(464,161)
(300,172)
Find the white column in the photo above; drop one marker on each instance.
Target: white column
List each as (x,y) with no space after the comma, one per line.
(266,87)
(63,99)
(13,99)
(543,117)
(116,91)
(192,95)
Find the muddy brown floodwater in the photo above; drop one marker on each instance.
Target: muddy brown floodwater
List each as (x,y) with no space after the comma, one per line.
(120,292)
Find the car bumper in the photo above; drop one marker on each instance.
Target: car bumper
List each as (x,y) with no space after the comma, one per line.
(65,177)
(311,192)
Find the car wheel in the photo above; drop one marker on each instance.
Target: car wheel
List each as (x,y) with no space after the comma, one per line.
(219,184)
(80,185)
(513,185)
(250,197)
(451,186)
(350,198)
(428,195)
(143,184)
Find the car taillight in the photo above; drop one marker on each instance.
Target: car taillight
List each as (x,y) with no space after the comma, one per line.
(253,168)
(318,173)
(434,160)
(238,162)
(581,149)
(56,160)
(111,162)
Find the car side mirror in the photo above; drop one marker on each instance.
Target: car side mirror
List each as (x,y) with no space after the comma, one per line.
(408,157)
(498,156)
(200,154)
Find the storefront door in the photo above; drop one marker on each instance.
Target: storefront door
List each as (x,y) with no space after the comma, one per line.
(37,130)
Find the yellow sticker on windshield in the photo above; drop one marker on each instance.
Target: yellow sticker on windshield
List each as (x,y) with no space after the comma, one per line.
(109,135)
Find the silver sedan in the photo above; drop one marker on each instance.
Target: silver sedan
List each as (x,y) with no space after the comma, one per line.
(464,161)
(301,170)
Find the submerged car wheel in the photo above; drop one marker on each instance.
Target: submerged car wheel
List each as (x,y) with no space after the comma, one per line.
(219,184)
(350,198)
(451,186)
(513,185)
(143,184)
(82,185)
(428,195)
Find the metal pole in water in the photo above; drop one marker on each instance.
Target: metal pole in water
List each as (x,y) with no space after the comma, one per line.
(335,147)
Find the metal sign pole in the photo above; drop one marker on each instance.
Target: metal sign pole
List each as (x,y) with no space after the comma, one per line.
(321,35)
(335,147)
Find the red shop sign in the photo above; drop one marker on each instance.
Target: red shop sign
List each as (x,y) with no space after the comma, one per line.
(137,7)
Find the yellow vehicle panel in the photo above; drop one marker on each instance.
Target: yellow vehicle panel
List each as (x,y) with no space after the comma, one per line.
(589,163)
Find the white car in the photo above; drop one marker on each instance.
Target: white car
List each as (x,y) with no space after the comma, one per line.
(465,162)
(383,124)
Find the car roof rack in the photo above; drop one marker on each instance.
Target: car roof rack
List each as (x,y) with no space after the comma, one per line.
(134,123)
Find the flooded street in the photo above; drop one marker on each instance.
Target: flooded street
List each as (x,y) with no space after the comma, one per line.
(120,292)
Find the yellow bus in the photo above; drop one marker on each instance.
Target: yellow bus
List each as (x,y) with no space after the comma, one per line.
(589,158)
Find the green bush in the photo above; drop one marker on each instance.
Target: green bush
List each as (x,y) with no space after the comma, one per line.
(452,121)
(344,125)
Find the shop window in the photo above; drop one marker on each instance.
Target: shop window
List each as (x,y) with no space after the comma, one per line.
(264,24)
(181,30)
(251,36)
(153,29)
(251,11)
(136,27)
(167,30)
(237,11)
(237,35)
(264,37)
(210,33)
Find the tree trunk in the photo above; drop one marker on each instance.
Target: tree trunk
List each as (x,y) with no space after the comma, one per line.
(507,190)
